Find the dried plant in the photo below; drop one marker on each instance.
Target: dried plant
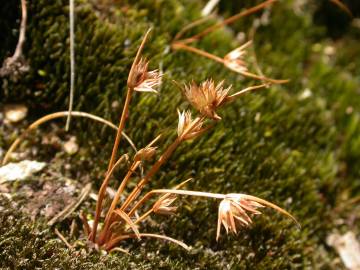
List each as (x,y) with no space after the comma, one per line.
(234,60)
(122,219)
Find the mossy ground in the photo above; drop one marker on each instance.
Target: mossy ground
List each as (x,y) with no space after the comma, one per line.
(298,151)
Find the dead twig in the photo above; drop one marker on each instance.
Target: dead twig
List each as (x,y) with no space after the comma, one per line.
(16,63)
(62,238)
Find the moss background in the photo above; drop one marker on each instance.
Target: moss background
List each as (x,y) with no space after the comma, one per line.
(299,152)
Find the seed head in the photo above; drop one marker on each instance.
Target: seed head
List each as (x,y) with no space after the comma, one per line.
(207,97)
(234,60)
(187,127)
(163,205)
(234,207)
(142,80)
(232,212)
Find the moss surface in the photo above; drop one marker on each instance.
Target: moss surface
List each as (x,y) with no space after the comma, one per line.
(298,150)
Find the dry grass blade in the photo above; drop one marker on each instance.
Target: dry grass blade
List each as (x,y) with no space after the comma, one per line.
(269,204)
(62,238)
(117,249)
(229,20)
(56,115)
(244,91)
(118,239)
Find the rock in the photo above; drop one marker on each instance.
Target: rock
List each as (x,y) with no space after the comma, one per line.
(20,171)
(347,247)
(15,113)
(71,147)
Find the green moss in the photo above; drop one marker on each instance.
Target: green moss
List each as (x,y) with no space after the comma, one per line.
(298,152)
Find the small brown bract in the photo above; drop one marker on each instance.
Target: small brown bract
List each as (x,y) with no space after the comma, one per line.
(143,80)
(207,97)
(163,205)
(189,128)
(232,212)
(234,60)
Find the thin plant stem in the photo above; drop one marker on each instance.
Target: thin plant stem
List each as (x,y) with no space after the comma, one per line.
(101,197)
(72,62)
(256,64)
(113,242)
(120,128)
(21,41)
(271,205)
(180,45)
(85,224)
(163,158)
(146,197)
(121,188)
(149,194)
(144,216)
(191,25)
(254,76)
(129,92)
(56,115)
(224,196)
(108,219)
(229,21)
(62,238)
(244,91)
(124,115)
(190,193)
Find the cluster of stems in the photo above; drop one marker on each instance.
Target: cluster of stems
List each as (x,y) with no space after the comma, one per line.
(237,65)
(121,220)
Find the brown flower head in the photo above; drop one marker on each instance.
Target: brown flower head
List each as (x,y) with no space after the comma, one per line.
(142,80)
(232,212)
(187,127)
(207,97)
(234,209)
(234,60)
(163,205)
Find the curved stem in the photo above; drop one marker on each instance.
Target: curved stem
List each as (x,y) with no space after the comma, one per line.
(120,128)
(121,188)
(179,45)
(271,205)
(229,20)
(191,25)
(144,216)
(244,91)
(113,242)
(254,76)
(52,116)
(101,197)
(163,158)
